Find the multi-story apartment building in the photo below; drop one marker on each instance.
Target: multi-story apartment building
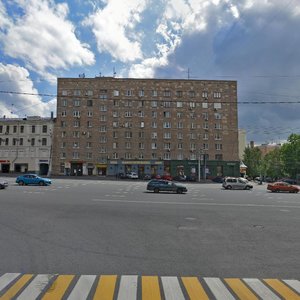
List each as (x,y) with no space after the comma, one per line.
(26,144)
(107,126)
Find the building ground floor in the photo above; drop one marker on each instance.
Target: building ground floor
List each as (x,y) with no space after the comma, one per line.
(37,166)
(189,168)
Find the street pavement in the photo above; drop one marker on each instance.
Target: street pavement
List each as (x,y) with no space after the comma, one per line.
(120,241)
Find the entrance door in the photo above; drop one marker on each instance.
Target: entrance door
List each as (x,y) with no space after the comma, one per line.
(44,169)
(5,168)
(76,169)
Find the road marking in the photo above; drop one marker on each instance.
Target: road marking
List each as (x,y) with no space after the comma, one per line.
(128,288)
(82,287)
(172,288)
(196,203)
(218,289)
(35,287)
(147,288)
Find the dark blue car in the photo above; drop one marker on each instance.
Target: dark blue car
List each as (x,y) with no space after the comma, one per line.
(32,179)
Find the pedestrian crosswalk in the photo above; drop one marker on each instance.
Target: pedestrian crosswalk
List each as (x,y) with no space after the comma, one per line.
(133,287)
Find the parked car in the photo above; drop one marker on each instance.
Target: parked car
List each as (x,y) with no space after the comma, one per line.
(132,175)
(180,178)
(288,180)
(281,186)
(3,184)
(157,186)
(167,177)
(237,183)
(218,179)
(147,177)
(32,179)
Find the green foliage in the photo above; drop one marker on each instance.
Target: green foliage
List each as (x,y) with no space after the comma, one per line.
(252,159)
(272,165)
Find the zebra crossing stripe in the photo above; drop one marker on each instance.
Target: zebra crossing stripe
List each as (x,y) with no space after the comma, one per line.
(150,288)
(219,289)
(35,287)
(240,289)
(106,287)
(128,288)
(295,284)
(282,289)
(194,288)
(6,279)
(13,290)
(172,288)
(82,287)
(59,287)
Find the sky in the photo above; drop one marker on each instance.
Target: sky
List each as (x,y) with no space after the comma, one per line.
(255,42)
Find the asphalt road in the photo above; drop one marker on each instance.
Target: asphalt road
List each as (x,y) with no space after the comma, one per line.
(117,227)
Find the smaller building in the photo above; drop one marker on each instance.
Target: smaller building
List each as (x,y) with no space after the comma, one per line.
(26,144)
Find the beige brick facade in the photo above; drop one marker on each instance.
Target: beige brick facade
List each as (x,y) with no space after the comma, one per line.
(104,122)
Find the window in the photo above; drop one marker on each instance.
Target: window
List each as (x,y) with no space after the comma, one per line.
(154,135)
(103,128)
(141,155)
(115,155)
(167,114)
(180,125)
(193,126)
(89,144)
(115,114)
(128,114)
(192,146)
(219,156)
(115,135)
(192,94)
(33,128)
(141,114)
(217,105)
(204,94)
(116,103)
(89,93)
(103,118)
(141,146)
(103,139)
(76,144)
(167,93)
(103,108)
(167,135)
(63,113)
(75,155)
(193,136)
(102,149)
(141,134)
(205,125)
(63,145)
(192,104)
(128,103)
(116,93)
(89,102)
(115,124)
(179,104)
(167,156)
(44,141)
(180,156)
(14,129)
(128,155)
(142,125)
(205,136)
(167,125)
(115,145)
(21,129)
(218,116)
(141,103)
(129,93)
(89,124)
(180,146)
(180,135)
(32,141)
(205,116)
(167,146)
(14,141)
(179,94)
(153,124)
(218,146)
(127,145)
(7,128)
(64,92)
(141,93)
(179,114)
(63,124)
(217,95)
(76,113)
(64,102)
(154,93)
(21,142)
(76,134)
(76,102)
(76,123)
(6,141)
(153,146)
(166,104)
(63,134)
(153,155)
(218,136)
(89,113)
(218,126)
(204,105)
(63,155)
(154,114)
(128,124)
(89,155)
(76,93)
(153,103)
(128,134)
(205,146)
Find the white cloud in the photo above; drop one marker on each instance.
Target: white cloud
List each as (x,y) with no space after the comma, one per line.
(45,39)
(16,79)
(114,26)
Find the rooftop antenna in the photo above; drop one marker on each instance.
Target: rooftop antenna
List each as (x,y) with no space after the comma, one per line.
(81,75)
(114,72)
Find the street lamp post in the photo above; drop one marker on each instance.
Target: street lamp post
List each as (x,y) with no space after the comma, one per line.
(199,165)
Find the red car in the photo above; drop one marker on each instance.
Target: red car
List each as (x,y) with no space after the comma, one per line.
(282,187)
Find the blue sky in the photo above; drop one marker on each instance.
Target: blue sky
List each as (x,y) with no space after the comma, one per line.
(255,42)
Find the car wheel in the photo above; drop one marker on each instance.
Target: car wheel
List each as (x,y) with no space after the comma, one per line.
(21,182)
(229,187)
(41,183)
(179,191)
(156,190)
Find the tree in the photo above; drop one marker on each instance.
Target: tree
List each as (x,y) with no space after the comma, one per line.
(252,159)
(290,155)
(272,165)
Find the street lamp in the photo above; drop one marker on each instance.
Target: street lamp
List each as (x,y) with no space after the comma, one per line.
(199,165)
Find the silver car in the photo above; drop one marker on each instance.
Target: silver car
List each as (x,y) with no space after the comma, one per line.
(237,183)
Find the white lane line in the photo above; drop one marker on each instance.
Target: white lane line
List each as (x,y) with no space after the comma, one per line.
(260,289)
(218,288)
(295,284)
(197,203)
(36,286)
(128,287)
(6,279)
(172,288)
(82,287)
